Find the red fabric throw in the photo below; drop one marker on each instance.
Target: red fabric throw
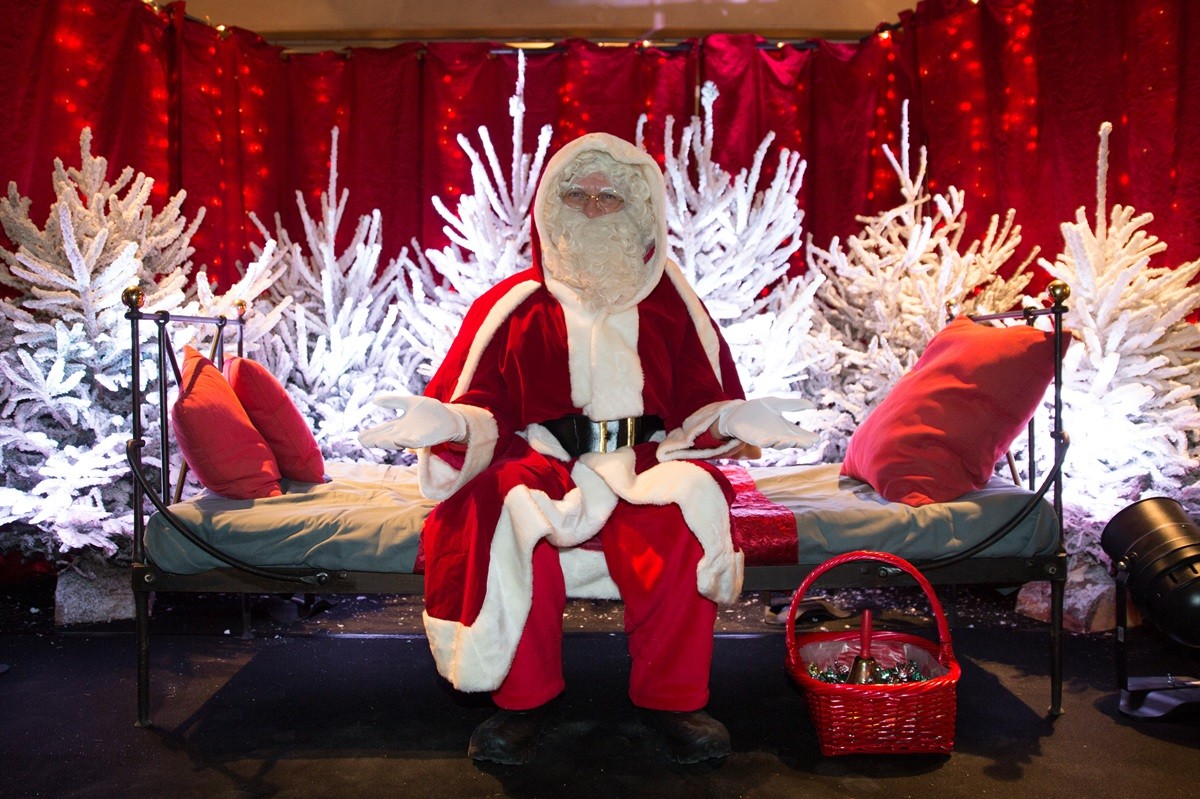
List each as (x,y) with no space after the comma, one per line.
(940,431)
(278,419)
(763,530)
(228,456)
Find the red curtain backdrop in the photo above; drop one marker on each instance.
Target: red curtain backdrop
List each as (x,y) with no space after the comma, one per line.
(1007,95)
(71,65)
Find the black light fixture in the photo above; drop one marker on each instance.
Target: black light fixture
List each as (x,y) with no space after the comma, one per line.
(1155,547)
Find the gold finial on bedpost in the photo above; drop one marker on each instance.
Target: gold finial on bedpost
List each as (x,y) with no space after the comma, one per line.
(240,305)
(1059,291)
(133,297)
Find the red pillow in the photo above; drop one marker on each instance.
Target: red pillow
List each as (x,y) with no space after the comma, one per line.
(940,431)
(218,441)
(278,419)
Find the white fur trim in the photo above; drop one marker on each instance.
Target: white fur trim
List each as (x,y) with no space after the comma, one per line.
(586,574)
(602,355)
(544,442)
(704,326)
(476,658)
(491,323)
(438,479)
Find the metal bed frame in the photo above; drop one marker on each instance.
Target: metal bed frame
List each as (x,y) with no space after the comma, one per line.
(971,566)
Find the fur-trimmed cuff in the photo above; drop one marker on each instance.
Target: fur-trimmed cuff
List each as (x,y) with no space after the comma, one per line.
(439,478)
(680,443)
(585,572)
(719,575)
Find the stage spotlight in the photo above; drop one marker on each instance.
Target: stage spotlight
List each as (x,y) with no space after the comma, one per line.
(1156,550)
(1157,545)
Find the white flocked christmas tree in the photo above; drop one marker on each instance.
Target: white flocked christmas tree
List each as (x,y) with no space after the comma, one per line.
(1133,371)
(340,339)
(735,242)
(489,234)
(65,348)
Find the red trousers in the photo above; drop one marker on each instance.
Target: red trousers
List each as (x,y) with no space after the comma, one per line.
(652,558)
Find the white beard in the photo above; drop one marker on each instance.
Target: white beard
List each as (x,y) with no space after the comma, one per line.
(603,259)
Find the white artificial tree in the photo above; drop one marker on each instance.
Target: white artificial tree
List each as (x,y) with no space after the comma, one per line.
(733,241)
(1132,374)
(65,348)
(340,338)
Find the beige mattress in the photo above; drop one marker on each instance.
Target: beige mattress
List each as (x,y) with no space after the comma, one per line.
(369,516)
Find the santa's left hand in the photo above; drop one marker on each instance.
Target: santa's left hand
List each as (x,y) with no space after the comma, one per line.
(761,422)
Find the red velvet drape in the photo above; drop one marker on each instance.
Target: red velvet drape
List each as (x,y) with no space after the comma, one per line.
(1007,95)
(67,65)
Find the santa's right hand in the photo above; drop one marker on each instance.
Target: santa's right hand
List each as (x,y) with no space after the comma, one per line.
(423,422)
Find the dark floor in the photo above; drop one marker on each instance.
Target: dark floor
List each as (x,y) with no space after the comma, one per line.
(347,703)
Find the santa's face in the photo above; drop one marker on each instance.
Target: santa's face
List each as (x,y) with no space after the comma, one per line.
(596,239)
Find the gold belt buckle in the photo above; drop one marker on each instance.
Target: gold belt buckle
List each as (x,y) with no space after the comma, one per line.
(629,424)
(631,430)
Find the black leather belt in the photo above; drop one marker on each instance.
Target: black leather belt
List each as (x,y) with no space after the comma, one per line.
(579,434)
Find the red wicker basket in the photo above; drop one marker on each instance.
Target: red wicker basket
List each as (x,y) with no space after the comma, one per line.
(898,718)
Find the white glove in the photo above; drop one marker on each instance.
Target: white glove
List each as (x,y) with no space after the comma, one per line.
(423,422)
(761,422)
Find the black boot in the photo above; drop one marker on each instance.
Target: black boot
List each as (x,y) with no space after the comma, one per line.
(508,737)
(690,736)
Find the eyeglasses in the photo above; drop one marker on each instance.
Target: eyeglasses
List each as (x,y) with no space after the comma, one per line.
(608,201)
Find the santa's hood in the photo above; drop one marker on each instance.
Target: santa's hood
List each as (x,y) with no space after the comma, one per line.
(626,153)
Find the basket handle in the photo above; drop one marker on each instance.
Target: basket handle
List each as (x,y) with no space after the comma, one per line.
(943,627)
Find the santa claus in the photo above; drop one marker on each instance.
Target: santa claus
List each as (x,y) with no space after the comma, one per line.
(566,437)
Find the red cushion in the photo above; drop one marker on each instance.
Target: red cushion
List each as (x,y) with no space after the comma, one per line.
(278,419)
(940,431)
(218,441)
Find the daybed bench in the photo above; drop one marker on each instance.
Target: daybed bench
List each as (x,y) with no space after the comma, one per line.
(359,532)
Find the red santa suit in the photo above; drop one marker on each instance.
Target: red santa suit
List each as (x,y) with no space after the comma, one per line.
(514,533)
